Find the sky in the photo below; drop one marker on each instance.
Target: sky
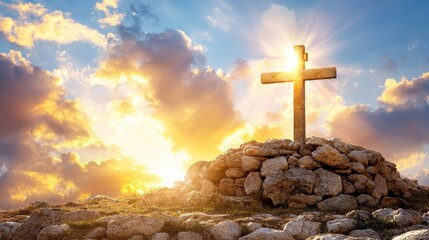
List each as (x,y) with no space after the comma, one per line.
(121,96)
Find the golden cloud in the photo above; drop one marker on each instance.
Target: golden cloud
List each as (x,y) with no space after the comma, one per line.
(38,124)
(35,23)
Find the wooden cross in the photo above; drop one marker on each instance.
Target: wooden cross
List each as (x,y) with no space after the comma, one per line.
(298,77)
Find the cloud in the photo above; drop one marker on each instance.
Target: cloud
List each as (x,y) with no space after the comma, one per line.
(38,124)
(397,128)
(406,93)
(108,8)
(222,16)
(191,100)
(36,23)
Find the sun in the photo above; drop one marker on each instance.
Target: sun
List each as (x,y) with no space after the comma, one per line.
(169,175)
(290,59)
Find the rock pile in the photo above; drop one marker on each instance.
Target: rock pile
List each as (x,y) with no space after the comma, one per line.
(329,174)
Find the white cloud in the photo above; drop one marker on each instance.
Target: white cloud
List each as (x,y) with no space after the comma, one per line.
(36,23)
(108,8)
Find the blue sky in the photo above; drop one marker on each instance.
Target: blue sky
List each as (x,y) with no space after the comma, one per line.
(163,84)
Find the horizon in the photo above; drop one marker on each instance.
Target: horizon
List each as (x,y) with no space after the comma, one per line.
(119,97)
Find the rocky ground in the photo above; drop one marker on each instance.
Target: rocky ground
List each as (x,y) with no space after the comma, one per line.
(280,189)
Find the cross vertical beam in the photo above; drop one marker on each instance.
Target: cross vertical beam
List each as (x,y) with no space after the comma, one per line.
(298,77)
(299,96)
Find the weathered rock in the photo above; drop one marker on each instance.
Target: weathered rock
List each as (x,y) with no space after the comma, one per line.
(7,229)
(413,235)
(341,225)
(357,167)
(136,237)
(189,236)
(227,230)
(384,214)
(234,160)
(302,179)
(273,165)
(341,202)
(160,236)
(80,215)
(348,187)
(332,236)
(276,188)
(239,187)
(358,156)
(249,163)
(360,215)
(307,200)
(383,169)
(268,234)
(396,185)
(253,183)
(361,183)
(327,183)
(293,160)
(306,149)
(96,233)
(126,226)
(38,220)
(53,232)
(365,233)
(253,226)
(301,228)
(405,217)
(317,141)
(371,170)
(366,200)
(388,202)
(330,156)
(341,146)
(227,187)
(308,162)
(257,151)
(380,188)
(195,170)
(235,172)
(207,187)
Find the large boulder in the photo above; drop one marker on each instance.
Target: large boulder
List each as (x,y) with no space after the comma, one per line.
(365,233)
(341,225)
(303,179)
(413,235)
(227,230)
(301,228)
(273,165)
(249,163)
(257,151)
(276,188)
(7,229)
(330,156)
(253,183)
(341,202)
(327,183)
(268,234)
(38,220)
(54,232)
(126,226)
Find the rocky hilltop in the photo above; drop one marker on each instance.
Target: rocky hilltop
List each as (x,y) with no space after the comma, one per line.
(277,190)
(329,174)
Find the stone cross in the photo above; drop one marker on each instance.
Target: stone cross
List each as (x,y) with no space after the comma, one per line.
(298,77)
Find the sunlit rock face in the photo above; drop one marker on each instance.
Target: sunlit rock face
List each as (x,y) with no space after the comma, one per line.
(319,172)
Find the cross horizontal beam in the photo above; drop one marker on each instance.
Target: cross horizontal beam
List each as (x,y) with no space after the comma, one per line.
(307,74)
